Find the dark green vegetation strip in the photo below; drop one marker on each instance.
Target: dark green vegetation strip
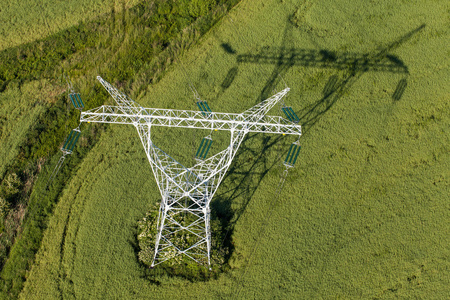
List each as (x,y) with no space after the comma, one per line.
(130,49)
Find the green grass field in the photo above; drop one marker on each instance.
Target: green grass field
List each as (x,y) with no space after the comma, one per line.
(26,21)
(365,212)
(35,115)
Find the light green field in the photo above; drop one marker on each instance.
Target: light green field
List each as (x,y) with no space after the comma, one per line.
(26,21)
(364,213)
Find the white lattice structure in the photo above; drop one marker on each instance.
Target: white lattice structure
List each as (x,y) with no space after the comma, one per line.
(184,214)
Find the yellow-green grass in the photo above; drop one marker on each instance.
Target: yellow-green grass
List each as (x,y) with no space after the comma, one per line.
(365,211)
(26,21)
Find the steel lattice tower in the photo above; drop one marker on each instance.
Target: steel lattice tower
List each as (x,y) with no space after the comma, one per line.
(187,192)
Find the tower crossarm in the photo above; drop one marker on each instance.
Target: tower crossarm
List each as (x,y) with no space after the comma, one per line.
(325,59)
(190,119)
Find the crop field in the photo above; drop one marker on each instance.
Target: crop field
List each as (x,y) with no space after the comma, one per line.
(364,213)
(26,21)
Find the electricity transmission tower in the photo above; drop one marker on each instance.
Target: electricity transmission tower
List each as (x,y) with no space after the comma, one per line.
(184,213)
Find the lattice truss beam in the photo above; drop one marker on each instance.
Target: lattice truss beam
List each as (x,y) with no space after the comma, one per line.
(184,213)
(193,119)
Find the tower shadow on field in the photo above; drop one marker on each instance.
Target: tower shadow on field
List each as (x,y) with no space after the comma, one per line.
(351,66)
(251,163)
(249,168)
